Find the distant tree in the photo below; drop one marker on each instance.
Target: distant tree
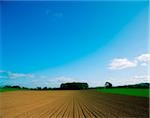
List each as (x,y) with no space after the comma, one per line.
(108,85)
(18,87)
(7,86)
(45,88)
(39,88)
(25,88)
(49,88)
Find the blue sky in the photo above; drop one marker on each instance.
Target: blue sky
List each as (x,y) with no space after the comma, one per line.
(46,43)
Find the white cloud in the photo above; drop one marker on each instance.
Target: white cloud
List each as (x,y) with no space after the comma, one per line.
(2,77)
(43,77)
(143,64)
(144,58)
(2,71)
(20,75)
(52,82)
(12,75)
(121,63)
(141,77)
(130,80)
(63,79)
(138,79)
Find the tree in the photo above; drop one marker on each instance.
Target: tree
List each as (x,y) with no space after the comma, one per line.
(7,86)
(39,88)
(74,86)
(18,87)
(45,88)
(108,85)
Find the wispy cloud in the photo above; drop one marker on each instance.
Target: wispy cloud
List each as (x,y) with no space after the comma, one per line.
(54,13)
(20,75)
(12,75)
(3,77)
(63,79)
(130,80)
(57,81)
(142,77)
(2,71)
(143,64)
(51,82)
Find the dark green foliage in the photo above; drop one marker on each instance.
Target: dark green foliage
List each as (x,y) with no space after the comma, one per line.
(108,85)
(25,88)
(17,87)
(74,86)
(7,86)
(12,88)
(45,88)
(140,85)
(39,88)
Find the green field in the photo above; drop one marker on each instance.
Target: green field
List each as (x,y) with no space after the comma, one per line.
(8,89)
(123,91)
(127,91)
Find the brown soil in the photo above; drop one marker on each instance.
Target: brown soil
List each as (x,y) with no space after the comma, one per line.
(71,104)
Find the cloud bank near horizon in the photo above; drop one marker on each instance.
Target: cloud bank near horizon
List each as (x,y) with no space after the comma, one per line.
(117,64)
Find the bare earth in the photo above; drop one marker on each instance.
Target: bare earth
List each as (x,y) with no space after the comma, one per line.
(71,104)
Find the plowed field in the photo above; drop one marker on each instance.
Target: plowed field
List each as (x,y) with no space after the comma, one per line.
(71,104)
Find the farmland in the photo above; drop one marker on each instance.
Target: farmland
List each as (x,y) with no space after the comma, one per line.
(8,89)
(71,104)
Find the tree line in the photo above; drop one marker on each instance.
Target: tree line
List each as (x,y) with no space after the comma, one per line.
(79,86)
(26,88)
(63,86)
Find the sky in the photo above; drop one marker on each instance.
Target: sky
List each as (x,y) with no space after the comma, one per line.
(48,43)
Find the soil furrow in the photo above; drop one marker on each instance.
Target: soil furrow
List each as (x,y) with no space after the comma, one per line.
(71,104)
